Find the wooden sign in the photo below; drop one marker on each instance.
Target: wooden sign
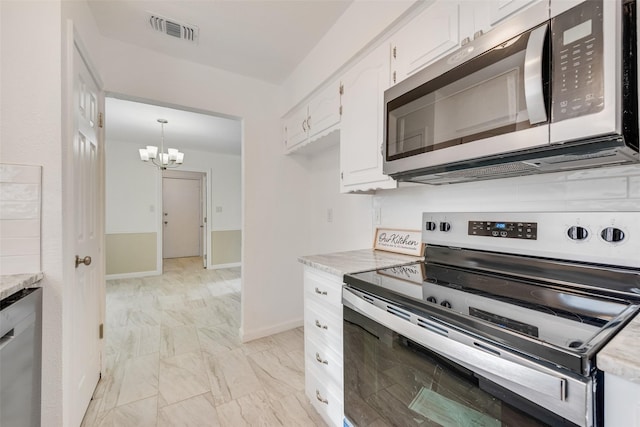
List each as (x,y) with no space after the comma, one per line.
(408,242)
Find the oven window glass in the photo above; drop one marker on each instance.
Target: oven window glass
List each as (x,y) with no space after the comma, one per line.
(479,99)
(392,381)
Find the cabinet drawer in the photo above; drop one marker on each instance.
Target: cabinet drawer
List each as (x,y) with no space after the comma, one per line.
(325,359)
(324,327)
(324,397)
(323,287)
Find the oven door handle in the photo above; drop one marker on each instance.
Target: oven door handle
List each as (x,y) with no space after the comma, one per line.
(481,358)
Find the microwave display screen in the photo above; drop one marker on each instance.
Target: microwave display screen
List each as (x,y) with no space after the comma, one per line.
(576,33)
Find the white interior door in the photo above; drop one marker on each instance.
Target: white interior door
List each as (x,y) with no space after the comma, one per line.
(203,222)
(86,307)
(181,217)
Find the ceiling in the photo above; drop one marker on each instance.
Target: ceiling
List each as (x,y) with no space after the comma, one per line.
(262,39)
(137,123)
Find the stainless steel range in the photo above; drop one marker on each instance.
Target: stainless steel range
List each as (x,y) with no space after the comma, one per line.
(500,325)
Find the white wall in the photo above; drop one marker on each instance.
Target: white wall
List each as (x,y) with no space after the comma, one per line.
(30,133)
(132,188)
(351,223)
(357,28)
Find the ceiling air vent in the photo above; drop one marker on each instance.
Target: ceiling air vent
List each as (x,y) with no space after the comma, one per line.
(173,28)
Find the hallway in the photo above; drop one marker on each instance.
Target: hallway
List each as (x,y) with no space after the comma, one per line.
(174,357)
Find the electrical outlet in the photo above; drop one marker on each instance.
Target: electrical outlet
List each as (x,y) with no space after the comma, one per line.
(377,216)
(329,214)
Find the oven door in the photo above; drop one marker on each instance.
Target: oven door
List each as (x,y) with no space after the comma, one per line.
(399,373)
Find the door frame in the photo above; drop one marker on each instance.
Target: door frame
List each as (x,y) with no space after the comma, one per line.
(159,215)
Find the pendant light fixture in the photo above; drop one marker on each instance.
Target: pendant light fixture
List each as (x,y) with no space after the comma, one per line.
(171,159)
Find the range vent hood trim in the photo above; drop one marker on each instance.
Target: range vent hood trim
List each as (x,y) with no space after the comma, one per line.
(606,151)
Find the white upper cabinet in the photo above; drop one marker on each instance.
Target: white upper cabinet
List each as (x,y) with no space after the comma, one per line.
(502,9)
(313,120)
(446,25)
(361,128)
(427,37)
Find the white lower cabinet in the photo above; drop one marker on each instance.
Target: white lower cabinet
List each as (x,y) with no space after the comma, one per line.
(323,344)
(621,402)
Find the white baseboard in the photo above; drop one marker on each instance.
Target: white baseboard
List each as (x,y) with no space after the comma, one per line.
(265,332)
(133,275)
(231,264)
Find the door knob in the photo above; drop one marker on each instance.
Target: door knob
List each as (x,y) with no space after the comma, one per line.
(86,260)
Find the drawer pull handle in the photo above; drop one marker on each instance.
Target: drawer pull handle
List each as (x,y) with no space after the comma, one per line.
(319,325)
(326,362)
(318,291)
(320,398)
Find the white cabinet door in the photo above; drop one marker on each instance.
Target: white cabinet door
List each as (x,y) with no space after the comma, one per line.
(324,111)
(426,38)
(621,401)
(361,130)
(295,128)
(502,9)
(323,344)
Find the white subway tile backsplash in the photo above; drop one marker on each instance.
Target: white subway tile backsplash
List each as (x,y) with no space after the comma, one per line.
(605,188)
(14,192)
(19,264)
(19,210)
(20,228)
(20,213)
(20,174)
(634,187)
(20,245)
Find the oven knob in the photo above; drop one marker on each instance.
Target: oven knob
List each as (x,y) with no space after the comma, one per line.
(445,304)
(612,235)
(432,299)
(577,233)
(445,226)
(430,226)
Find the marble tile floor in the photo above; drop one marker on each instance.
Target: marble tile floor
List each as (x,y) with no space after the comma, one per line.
(173,357)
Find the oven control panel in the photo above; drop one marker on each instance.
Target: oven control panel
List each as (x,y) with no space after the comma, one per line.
(504,229)
(600,237)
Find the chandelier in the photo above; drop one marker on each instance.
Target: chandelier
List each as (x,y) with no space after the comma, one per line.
(171,159)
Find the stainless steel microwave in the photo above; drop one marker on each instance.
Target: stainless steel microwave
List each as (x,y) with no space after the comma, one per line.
(521,99)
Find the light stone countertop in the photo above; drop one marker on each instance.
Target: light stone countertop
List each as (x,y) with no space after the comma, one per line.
(341,263)
(12,283)
(621,356)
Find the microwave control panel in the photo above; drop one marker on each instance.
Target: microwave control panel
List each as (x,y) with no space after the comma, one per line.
(508,230)
(577,62)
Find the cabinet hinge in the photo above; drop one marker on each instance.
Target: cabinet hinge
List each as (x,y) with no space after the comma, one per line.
(394,77)
(394,52)
(341,175)
(101,331)
(341,90)
(100,120)
(340,110)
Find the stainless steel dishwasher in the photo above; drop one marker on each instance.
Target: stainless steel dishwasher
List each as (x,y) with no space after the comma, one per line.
(20,358)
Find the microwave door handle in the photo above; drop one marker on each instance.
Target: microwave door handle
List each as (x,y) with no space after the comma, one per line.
(533,88)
